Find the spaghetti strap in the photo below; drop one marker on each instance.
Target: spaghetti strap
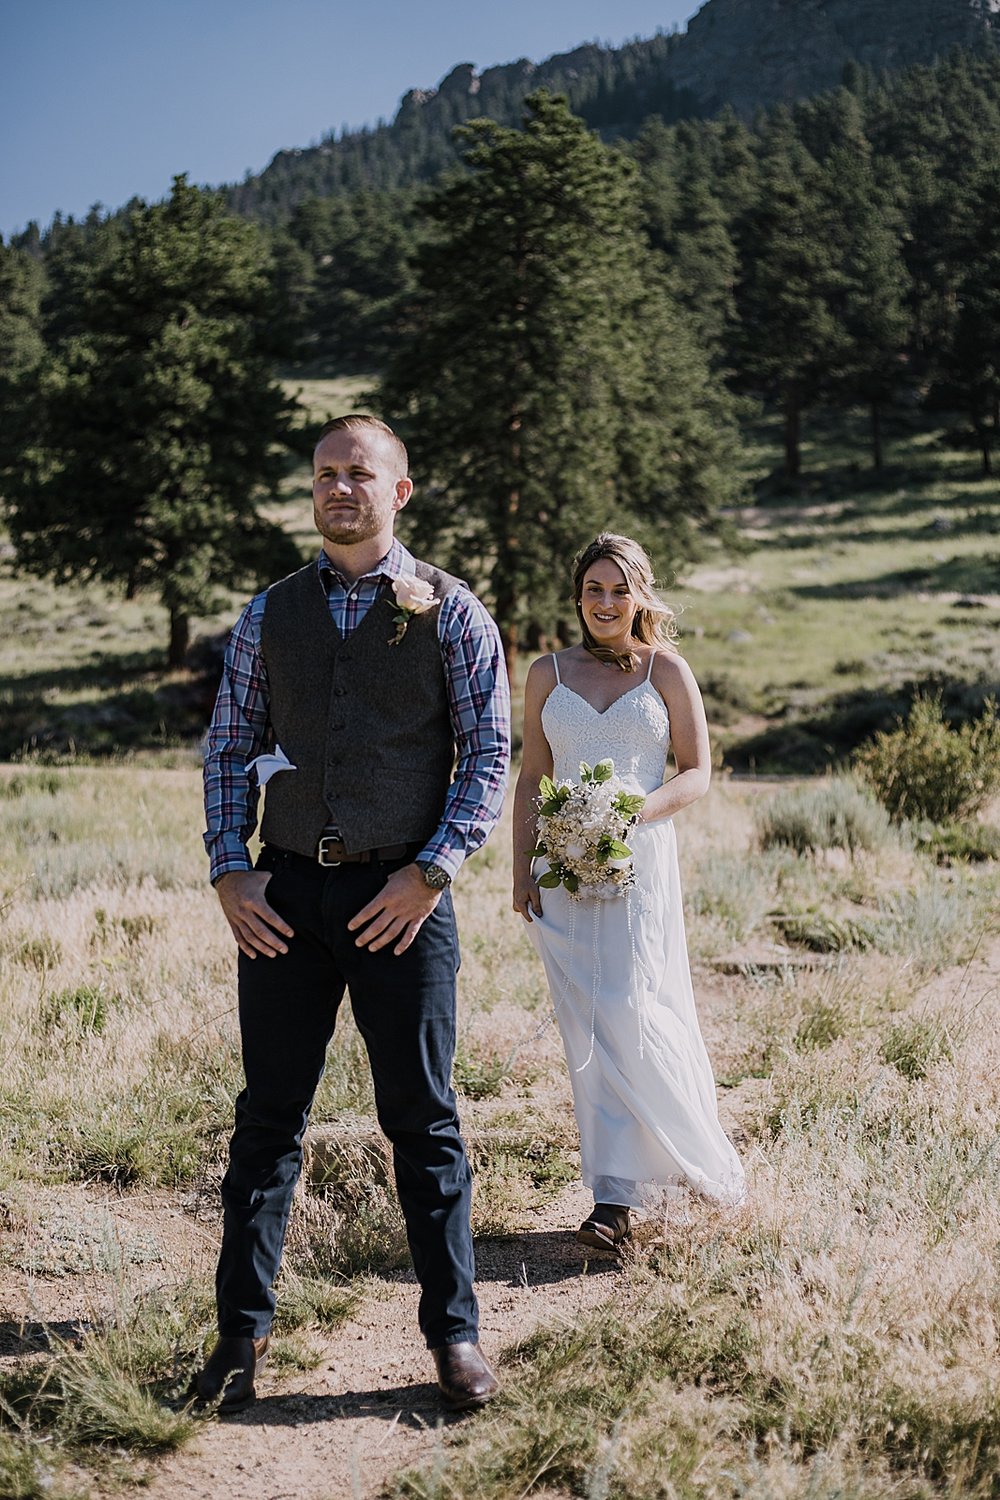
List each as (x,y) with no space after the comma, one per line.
(649,669)
(555,663)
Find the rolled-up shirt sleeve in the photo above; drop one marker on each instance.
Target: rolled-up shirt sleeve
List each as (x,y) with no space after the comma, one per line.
(479,706)
(239,730)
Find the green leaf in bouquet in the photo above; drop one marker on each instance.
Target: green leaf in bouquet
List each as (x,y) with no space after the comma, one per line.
(629,804)
(585,772)
(551,807)
(571,883)
(547,788)
(604,770)
(618,850)
(549,880)
(539,852)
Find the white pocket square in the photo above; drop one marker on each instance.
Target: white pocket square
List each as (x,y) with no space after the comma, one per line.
(267,765)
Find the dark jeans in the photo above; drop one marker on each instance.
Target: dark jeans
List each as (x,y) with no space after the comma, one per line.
(405,1011)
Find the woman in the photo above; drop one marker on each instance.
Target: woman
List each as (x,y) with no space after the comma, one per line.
(617,968)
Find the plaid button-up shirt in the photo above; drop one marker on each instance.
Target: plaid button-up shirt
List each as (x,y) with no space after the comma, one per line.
(478,703)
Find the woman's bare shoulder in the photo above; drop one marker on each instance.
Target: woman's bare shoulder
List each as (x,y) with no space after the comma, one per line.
(671,673)
(549,667)
(541,670)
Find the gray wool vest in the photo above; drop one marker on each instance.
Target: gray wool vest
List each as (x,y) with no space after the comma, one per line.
(366,723)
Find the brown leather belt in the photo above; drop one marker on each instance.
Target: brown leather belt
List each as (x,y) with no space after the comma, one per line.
(330,852)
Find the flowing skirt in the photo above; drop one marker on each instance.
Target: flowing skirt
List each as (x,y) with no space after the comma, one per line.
(621,990)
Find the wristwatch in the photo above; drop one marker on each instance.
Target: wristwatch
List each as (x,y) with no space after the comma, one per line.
(436,878)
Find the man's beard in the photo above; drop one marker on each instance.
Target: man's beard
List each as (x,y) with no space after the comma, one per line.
(358,526)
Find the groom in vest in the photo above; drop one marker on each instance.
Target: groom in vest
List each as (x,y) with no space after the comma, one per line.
(358,686)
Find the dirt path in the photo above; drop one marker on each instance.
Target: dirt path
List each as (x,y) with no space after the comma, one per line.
(371,1406)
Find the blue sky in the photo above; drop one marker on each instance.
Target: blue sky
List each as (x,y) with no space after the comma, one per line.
(103,99)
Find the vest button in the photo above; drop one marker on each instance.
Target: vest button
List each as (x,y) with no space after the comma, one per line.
(339,692)
(335,727)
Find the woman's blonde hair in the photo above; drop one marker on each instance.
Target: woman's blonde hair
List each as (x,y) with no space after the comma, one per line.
(654,622)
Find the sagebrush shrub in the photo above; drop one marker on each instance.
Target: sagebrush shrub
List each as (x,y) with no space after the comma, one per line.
(912,1045)
(926,769)
(838,814)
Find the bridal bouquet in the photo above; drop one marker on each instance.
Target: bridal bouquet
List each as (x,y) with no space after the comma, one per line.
(581,827)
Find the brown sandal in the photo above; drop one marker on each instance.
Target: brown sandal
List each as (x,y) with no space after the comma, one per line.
(606,1227)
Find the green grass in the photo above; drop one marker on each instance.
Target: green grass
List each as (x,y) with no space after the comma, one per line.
(849,599)
(852,596)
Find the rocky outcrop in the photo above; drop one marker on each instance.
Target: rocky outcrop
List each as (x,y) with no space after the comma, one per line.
(745,53)
(750,53)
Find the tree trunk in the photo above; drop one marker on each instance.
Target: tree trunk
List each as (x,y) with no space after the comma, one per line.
(793,462)
(876,436)
(983,434)
(180,638)
(509,636)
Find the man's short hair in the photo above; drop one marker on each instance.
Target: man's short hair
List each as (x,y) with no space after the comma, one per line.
(355,420)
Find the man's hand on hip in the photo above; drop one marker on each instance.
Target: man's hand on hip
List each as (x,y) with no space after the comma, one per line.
(397,913)
(256,926)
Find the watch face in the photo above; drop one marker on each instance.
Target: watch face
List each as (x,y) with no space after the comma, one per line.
(435,877)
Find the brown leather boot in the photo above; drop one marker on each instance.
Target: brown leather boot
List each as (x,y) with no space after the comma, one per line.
(229,1374)
(605,1227)
(465,1378)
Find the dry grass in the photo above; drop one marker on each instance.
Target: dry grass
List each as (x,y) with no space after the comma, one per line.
(836,1337)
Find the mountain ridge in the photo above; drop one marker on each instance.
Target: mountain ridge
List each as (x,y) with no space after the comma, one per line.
(747,54)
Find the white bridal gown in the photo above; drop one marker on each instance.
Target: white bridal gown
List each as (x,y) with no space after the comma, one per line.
(621,984)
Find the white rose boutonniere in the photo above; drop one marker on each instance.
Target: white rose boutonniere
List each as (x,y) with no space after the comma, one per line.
(413,596)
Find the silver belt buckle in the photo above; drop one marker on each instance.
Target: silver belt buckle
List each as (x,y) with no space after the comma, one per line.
(328,864)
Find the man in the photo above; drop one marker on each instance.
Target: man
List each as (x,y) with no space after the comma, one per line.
(364,673)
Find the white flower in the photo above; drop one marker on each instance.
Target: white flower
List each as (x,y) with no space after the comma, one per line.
(413,594)
(582,836)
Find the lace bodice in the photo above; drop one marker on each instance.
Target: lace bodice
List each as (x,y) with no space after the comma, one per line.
(634,732)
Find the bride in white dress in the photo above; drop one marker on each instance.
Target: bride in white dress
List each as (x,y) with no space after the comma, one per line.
(617,968)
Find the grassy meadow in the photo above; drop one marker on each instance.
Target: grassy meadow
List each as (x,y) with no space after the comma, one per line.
(847,595)
(836,1337)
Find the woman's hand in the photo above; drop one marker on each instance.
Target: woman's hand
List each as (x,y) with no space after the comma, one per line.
(536,762)
(527,896)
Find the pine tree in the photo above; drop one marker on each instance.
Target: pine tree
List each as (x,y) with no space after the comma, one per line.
(655,151)
(871,305)
(22,282)
(700,247)
(969,364)
(155,421)
(789,337)
(549,385)
(362,278)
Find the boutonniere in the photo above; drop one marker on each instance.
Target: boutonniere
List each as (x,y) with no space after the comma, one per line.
(413,596)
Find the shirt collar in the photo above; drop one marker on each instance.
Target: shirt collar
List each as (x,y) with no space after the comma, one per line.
(394,564)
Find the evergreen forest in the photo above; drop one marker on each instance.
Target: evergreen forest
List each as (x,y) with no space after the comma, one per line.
(565,327)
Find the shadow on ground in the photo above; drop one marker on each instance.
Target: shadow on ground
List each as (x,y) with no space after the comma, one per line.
(418,1405)
(803,746)
(33,1338)
(957,575)
(541,1258)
